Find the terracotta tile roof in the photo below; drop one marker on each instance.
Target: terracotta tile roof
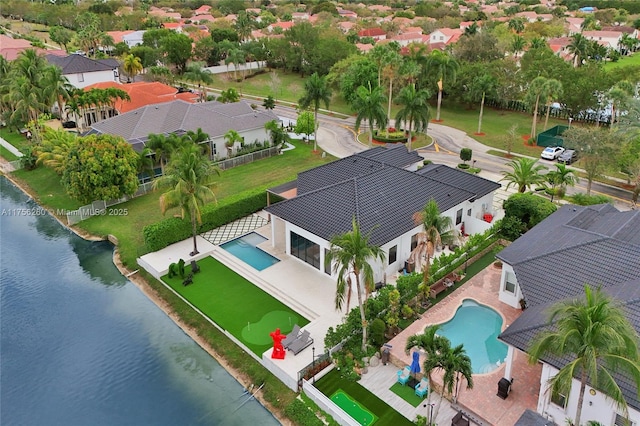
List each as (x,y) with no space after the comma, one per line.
(613,34)
(144,93)
(202,10)
(117,35)
(372,32)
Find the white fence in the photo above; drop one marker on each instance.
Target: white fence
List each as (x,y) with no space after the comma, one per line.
(325,403)
(247,158)
(99,207)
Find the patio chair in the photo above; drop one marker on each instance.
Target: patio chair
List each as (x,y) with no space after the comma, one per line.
(404,375)
(422,388)
(301,342)
(291,337)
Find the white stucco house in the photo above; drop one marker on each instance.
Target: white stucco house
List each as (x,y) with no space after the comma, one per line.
(179,117)
(610,39)
(82,71)
(575,246)
(381,188)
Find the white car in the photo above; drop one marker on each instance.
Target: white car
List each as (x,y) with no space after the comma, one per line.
(552,152)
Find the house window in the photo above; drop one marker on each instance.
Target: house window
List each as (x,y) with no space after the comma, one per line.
(80,77)
(414,242)
(459,217)
(115,73)
(327,265)
(441,38)
(510,283)
(559,399)
(393,254)
(622,421)
(469,212)
(305,250)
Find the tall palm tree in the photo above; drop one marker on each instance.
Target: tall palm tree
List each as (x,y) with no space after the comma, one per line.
(189,179)
(235,57)
(316,91)
(437,229)
(553,91)
(593,332)
(132,65)
(349,255)
(277,133)
(481,86)
(537,90)
(368,105)
(579,47)
(432,344)
(443,67)
(518,43)
(200,76)
(231,137)
(414,111)
(393,62)
(457,366)
(525,172)
(162,147)
(516,24)
(537,43)
(57,88)
(560,178)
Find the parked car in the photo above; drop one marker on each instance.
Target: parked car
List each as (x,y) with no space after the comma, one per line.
(552,152)
(568,157)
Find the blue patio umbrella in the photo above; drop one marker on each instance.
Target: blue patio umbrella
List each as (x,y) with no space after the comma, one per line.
(415,364)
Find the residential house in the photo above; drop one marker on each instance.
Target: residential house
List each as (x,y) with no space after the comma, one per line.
(560,47)
(610,39)
(534,17)
(346,26)
(347,14)
(205,9)
(284,25)
(577,245)
(381,188)
(444,36)
(178,116)
(300,16)
(10,48)
(406,39)
(375,33)
(364,47)
(140,94)
(82,71)
(573,25)
(130,38)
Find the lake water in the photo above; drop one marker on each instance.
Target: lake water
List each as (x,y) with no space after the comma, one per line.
(81,345)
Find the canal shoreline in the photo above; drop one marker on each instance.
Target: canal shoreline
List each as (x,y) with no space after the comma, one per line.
(143,285)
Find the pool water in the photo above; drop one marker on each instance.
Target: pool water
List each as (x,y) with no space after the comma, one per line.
(244,248)
(477,328)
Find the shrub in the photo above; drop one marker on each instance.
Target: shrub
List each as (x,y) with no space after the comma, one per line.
(511,228)
(589,200)
(529,208)
(463,166)
(171,230)
(466,154)
(302,414)
(391,137)
(376,333)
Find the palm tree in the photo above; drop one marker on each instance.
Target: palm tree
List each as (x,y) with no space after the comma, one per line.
(518,43)
(525,172)
(200,76)
(235,57)
(560,178)
(316,91)
(432,344)
(482,85)
(579,47)
(132,65)
(350,254)
(269,103)
(54,148)
(231,137)
(189,180)
(444,67)
(368,105)
(594,334)
(537,43)
(229,96)
(414,111)
(553,90)
(162,146)
(393,62)
(516,24)
(57,88)
(456,365)
(437,229)
(277,133)
(537,89)
(145,161)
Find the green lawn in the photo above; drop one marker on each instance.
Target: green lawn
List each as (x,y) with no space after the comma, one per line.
(407,393)
(6,154)
(14,138)
(624,62)
(236,305)
(332,382)
(46,185)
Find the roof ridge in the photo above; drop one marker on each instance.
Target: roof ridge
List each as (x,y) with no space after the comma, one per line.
(562,249)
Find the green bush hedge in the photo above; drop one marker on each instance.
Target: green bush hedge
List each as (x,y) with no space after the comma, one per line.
(168,231)
(394,137)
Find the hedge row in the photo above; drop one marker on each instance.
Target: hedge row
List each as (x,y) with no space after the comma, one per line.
(168,231)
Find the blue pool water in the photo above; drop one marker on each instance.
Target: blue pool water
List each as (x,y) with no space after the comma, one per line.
(244,248)
(477,328)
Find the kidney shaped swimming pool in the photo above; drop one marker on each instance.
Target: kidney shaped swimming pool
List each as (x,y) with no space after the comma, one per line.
(477,327)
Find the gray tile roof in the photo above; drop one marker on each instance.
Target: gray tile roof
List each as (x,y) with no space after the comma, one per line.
(214,118)
(536,319)
(459,178)
(575,246)
(382,198)
(531,418)
(356,165)
(75,64)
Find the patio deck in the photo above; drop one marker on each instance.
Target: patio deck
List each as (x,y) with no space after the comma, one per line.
(482,400)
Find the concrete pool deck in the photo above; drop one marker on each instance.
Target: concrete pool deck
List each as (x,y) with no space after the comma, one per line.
(482,400)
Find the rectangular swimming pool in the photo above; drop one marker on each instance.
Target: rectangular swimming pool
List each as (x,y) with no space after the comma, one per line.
(245,248)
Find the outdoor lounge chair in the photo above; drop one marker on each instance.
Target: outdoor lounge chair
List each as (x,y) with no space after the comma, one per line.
(301,342)
(291,337)
(422,388)
(404,375)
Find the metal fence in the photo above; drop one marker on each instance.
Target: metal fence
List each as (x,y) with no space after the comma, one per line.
(99,207)
(247,158)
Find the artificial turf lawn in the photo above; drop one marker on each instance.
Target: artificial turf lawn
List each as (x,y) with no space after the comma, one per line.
(332,382)
(353,408)
(407,393)
(236,305)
